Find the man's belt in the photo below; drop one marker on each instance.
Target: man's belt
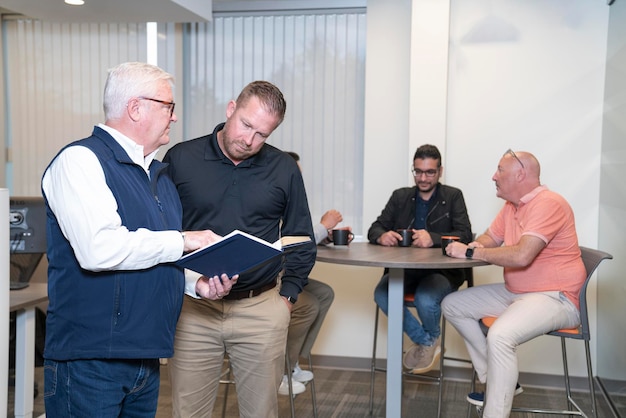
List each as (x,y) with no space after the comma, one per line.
(244,294)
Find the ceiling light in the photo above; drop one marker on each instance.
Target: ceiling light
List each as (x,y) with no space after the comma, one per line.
(75,2)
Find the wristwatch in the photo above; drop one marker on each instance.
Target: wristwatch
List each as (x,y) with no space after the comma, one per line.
(469,253)
(291,299)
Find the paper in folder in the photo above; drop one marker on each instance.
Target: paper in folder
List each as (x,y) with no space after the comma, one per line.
(236,253)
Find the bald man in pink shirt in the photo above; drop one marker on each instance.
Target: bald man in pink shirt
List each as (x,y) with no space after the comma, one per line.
(534,238)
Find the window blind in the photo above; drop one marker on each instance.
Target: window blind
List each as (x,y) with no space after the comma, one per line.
(54,79)
(318,61)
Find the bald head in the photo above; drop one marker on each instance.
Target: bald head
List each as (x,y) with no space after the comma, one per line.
(531,165)
(518,174)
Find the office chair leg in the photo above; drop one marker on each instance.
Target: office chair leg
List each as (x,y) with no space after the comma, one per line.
(289,373)
(568,390)
(441,359)
(373,364)
(571,403)
(312,383)
(592,389)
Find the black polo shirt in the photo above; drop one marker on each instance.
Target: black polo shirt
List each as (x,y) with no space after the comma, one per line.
(261,196)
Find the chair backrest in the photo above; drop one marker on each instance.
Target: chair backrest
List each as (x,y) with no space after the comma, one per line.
(592,259)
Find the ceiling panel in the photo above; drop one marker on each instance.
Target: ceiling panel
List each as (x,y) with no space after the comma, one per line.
(112,10)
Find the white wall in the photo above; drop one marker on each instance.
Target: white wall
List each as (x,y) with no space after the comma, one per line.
(611,283)
(528,75)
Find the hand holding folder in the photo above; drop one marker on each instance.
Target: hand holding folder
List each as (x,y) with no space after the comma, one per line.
(237,253)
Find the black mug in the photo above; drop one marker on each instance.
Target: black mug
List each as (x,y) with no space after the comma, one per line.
(342,236)
(407,237)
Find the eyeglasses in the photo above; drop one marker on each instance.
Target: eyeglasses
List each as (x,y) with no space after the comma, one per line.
(510,151)
(170,104)
(429,173)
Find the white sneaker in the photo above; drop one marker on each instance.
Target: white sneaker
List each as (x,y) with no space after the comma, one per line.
(300,375)
(296,387)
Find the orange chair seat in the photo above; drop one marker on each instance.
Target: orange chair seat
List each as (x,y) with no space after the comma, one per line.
(489,320)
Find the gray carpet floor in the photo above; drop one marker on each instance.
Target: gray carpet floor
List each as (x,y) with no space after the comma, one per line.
(345,393)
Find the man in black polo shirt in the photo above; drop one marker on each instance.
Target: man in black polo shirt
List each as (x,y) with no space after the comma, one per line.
(231,179)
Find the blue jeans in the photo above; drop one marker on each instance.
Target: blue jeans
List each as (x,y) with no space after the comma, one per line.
(430,290)
(101,388)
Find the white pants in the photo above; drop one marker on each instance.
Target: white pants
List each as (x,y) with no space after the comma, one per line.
(521,317)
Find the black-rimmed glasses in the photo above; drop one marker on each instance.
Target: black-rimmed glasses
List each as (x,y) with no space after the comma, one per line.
(170,104)
(510,151)
(429,173)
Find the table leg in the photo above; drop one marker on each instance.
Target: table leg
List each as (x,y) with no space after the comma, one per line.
(394,343)
(24,362)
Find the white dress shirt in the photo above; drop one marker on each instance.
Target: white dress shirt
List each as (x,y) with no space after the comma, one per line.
(86,210)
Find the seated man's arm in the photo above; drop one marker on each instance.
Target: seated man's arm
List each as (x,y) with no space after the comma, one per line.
(519,255)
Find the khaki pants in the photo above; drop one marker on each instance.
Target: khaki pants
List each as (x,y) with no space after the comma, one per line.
(252,331)
(307,317)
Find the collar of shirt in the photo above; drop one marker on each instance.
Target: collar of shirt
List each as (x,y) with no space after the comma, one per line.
(134,150)
(532,194)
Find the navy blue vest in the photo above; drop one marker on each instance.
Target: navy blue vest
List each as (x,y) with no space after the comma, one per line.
(116,314)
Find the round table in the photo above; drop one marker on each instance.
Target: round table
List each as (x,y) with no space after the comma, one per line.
(396,259)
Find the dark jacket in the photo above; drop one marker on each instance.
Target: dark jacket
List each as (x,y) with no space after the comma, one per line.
(447,215)
(128,314)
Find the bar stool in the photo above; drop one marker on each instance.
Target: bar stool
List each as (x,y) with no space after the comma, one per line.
(439,377)
(592,259)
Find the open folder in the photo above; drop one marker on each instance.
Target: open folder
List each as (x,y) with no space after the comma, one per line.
(236,253)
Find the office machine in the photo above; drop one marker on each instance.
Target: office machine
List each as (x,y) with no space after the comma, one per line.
(27,220)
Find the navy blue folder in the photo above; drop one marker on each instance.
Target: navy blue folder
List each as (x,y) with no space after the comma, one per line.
(236,253)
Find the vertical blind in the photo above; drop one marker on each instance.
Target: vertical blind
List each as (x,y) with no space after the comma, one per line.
(55,72)
(318,61)
(54,78)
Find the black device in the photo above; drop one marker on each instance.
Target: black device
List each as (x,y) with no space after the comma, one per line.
(27,235)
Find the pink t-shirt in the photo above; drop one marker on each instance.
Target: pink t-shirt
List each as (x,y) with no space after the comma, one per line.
(558,266)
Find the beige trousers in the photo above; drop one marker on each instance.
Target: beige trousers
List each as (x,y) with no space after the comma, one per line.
(252,332)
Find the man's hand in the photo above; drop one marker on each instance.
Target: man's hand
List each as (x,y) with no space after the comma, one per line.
(331,218)
(422,238)
(198,239)
(289,304)
(215,288)
(456,249)
(389,239)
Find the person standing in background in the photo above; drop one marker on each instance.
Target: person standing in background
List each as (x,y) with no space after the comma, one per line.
(113,232)
(232,179)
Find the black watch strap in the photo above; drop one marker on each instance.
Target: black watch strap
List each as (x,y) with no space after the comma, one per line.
(469,253)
